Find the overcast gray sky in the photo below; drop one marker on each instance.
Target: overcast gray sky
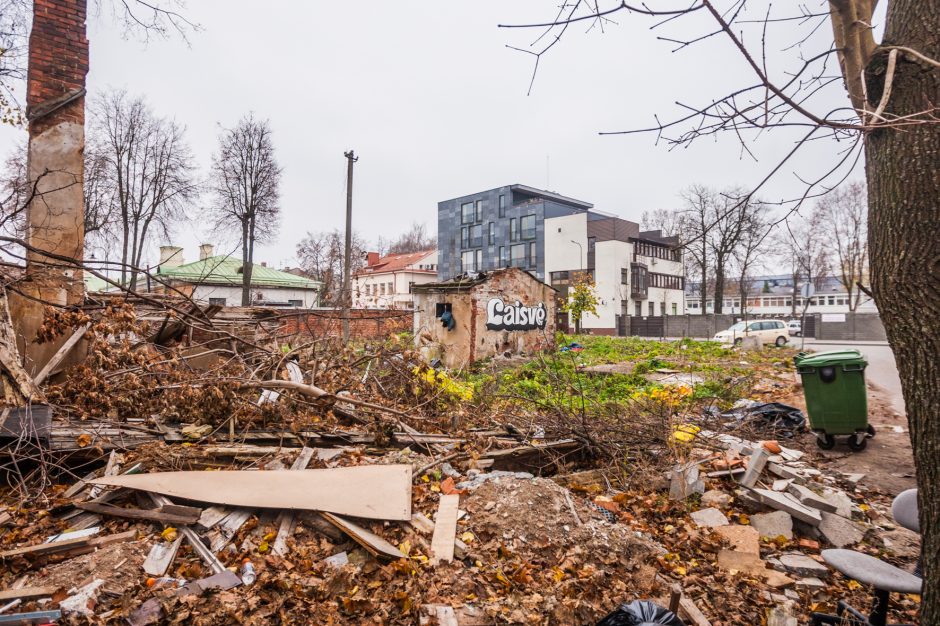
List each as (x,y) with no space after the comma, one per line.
(435,104)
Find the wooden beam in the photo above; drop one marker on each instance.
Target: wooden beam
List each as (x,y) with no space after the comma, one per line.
(182,515)
(27,593)
(374,544)
(60,355)
(286,519)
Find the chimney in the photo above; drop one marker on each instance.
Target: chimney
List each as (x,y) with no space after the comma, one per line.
(170,257)
(372,258)
(205,251)
(264,264)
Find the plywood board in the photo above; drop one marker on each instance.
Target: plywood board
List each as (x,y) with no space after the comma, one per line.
(445,528)
(369,491)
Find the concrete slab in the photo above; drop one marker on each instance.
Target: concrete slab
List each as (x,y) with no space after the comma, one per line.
(786,502)
(709,518)
(802,565)
(810,498)
(839,531)
(717,498)
(773,524)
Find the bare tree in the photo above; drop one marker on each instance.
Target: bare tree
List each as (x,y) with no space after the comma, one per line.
(844,215)
(246,184)
(729,213)
(415,239)
(321,256)
(14,192)
(14,32)
(145,172)
(802,247)
(670,221)
(749,251)
(696,224)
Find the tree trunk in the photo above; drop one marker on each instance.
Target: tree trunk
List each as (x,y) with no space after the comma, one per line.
(719,287)
(246,267)
(904,209)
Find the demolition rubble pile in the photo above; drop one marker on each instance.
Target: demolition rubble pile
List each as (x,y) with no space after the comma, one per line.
(172,477)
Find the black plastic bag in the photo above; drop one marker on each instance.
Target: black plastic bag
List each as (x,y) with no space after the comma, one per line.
(779,416)
(641,613)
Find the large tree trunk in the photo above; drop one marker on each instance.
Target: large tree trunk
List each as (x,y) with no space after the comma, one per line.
(904,211)
(246,267)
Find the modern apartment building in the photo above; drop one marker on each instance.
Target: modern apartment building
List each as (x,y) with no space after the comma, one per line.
(502,227)
(554,236)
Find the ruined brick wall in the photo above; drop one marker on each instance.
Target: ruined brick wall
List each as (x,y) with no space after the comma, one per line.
(58,63)
(363,323)
(58,60)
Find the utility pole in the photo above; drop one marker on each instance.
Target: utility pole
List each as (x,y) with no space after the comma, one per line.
(347,260)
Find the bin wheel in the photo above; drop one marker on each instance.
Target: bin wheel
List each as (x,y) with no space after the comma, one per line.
(871,430)
(781,341)
(857,446)
(828,442)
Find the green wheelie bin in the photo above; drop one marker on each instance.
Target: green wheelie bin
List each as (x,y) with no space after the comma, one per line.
(836,399)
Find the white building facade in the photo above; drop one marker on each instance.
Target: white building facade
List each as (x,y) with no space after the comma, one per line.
(636,273)
(385,282)
(776,296)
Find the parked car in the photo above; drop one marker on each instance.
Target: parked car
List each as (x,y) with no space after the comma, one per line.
(795,327)
(769,331)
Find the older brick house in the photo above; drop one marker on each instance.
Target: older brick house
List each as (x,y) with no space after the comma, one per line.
(465,319)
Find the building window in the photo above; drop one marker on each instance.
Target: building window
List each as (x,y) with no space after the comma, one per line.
(513,229)
(527,222)
(391,288)
(675,308)
(472,260)
(492,233)
(464,237)
(532,255)
(662,308)
(295,302)
(383,288)
(638,309)
(503,259)
(502,205)
(592,241)
(624,276)
(479,211)
(517,255)
(467,213)
(440,308)
(216,301)
(652,308)
(558,277)
(476,236)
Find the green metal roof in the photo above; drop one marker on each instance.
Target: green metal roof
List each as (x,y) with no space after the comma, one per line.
(93,283)
(226,270)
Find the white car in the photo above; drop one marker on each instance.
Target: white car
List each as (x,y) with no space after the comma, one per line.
(795,327)
(769,331)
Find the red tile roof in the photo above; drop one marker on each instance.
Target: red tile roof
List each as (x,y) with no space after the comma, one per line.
(396,263)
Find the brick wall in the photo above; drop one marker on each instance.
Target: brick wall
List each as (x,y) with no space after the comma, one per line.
(363,323)
(58,58)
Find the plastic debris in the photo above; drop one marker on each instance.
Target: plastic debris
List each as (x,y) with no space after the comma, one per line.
(640,612)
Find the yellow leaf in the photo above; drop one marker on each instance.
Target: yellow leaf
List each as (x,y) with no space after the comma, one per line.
(263,546)
(467,537)
(169,534)
(854,584)
(83,440)
(436,488)
(680,571)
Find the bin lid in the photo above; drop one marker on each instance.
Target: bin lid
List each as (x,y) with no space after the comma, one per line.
(832,357)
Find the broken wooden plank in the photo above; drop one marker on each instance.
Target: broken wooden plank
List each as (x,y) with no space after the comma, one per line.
(445,529)
(690,612)
(33,421)
(286,519)
(161,556)
(212,516)
(27,593)
(222,534)
(422,524)
(18,385)
(374,544)
(368,491)
(60,354)
(82,544)
(191,516)
(208,557)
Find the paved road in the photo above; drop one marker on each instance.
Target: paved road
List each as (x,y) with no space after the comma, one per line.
(881,369)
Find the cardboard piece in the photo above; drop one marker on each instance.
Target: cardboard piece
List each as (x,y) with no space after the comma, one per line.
(368,491)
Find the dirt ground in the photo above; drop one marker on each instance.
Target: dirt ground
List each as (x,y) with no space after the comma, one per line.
(887,462)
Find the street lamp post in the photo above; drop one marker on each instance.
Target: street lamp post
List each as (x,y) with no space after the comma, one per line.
(580,253)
